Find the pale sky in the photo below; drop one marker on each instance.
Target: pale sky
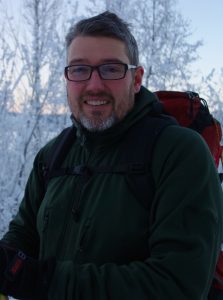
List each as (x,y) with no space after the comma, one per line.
(206,19)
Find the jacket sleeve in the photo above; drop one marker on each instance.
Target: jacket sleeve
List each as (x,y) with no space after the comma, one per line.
(185,236)
(22,233)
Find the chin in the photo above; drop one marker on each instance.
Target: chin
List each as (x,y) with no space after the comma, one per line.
(98,125)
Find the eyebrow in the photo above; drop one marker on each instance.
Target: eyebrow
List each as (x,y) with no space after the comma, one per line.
(104,61)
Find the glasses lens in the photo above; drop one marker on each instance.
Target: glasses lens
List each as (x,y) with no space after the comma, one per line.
(78,73)
(112,71)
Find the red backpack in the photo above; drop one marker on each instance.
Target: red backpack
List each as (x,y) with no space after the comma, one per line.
(192,111)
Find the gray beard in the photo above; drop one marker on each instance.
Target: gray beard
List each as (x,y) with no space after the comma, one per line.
(97,125)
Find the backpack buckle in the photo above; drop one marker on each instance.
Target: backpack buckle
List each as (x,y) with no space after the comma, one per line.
(81,170)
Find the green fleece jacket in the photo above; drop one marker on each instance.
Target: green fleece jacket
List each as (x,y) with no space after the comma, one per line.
(107,245)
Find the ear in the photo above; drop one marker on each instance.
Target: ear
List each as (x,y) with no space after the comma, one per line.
(138,78)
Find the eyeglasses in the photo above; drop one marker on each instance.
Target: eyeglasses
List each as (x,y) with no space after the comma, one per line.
(110,71)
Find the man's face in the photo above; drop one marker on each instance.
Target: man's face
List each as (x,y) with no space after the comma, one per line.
(96,103)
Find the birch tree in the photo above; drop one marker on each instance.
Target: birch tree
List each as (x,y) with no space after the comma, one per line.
(6,99)
(37,59)
(210,87)
(41,54)
(163,41)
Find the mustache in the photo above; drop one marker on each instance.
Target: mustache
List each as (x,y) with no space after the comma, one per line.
(97,94)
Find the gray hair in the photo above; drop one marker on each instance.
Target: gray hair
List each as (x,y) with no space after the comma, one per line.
(106,24)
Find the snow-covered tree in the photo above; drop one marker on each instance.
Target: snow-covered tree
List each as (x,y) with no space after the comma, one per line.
(42,57)
(210,88)
(163,38)
(37,111)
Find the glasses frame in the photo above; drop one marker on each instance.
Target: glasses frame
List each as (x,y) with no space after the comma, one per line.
(97,68)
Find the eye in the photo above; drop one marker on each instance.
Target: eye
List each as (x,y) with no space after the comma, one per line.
(75,70)
(112,68)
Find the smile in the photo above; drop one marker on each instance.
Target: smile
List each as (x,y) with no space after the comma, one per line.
(96,102)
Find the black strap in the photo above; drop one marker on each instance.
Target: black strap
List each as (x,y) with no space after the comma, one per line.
(85,170)
(59,152)
(138,147)
(202,120)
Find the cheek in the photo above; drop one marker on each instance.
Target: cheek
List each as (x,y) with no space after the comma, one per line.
(73,94)
(72,89)
(125,101)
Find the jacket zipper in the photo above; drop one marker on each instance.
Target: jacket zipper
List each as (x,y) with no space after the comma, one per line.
(83,179)
(44,231)
(83,235)
(77,201)
(74,208)
(69,220)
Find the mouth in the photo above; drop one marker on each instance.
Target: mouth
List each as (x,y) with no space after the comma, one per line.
(96,102)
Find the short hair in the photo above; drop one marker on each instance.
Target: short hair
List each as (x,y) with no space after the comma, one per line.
(106,24)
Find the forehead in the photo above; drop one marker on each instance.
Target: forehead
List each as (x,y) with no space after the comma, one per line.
(94,50)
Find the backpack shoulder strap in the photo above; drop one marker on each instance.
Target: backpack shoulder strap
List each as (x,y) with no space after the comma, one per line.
(137,153)
(58,152)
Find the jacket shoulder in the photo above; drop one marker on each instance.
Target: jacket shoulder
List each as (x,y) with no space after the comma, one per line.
(185,150)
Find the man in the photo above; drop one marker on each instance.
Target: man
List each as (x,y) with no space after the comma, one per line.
(90,237)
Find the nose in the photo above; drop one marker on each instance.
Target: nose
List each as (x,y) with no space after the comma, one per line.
(95,81)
